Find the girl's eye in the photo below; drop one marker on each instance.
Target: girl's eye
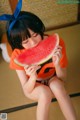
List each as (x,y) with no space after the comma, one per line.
(25,41)
(35,34)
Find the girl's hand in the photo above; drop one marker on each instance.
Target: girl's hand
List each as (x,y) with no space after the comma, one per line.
(57,55)
(31,70)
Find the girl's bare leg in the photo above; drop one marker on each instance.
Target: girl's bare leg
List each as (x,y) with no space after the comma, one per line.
(43,95)
(43,106)
(57,87)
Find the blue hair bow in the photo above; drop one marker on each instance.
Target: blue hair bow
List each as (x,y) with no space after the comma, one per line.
(7,17)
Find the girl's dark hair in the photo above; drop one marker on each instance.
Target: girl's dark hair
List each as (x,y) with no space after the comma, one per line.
(20,30)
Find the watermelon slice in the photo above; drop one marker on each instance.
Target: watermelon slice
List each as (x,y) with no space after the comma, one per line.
(40,53)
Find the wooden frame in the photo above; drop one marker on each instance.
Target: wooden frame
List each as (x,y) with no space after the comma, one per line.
(13,4)
(79,12)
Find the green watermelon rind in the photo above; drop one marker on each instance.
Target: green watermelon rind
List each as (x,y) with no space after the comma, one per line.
(43,60)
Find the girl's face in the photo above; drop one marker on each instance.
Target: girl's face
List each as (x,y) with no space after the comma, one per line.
(32,41)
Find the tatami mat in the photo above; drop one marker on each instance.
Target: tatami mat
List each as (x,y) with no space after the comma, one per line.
(11,94)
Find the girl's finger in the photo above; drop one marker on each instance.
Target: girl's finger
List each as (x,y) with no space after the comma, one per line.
(33,70)
(58,47)
(58,50)
(25,67)
(30,67)
(58,54)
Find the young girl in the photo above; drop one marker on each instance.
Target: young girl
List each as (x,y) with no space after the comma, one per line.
(40,83)
(26,33)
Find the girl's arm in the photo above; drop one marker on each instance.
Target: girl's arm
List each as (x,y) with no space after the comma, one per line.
(60,72)
(28,83)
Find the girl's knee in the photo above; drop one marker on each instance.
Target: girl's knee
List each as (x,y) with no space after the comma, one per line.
(45,95)
(56,84)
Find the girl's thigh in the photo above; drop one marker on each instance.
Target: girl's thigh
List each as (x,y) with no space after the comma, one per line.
(38,91)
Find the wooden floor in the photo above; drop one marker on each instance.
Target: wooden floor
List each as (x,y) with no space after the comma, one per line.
(55,112)
(11,94)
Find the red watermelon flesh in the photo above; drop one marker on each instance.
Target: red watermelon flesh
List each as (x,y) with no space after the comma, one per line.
(40,53)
